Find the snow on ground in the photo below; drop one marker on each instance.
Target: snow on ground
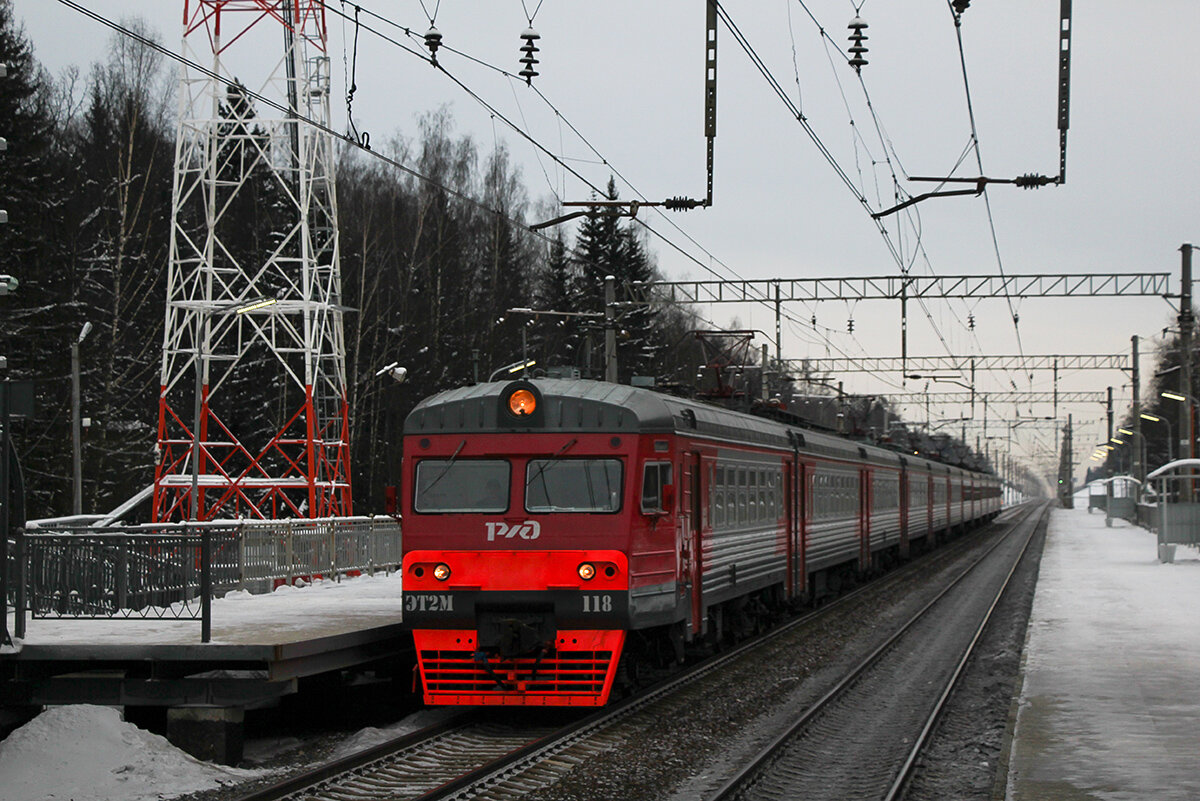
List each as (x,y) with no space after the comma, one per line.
(288,614)
(87,753)
(371,736)
(1109,707)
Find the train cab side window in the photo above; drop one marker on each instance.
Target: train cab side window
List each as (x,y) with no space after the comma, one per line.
(655,476)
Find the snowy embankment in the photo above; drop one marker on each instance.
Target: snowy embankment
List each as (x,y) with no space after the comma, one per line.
(87,753)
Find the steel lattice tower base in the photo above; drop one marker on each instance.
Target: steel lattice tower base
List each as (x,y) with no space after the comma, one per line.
(254,221)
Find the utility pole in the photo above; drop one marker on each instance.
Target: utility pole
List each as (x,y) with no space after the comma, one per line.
(610,329)
(76,446)
(766,360)
(1065,469)
(1139,466)
(778,326)
(1109,413)
(1186,321)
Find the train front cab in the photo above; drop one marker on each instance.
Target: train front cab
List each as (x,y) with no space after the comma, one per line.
(500,641)
(526,601)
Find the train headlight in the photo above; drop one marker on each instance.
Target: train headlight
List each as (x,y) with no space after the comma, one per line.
(441,572)
(587,571)
(522,402)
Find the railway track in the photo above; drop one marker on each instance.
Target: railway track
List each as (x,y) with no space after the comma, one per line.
(863,739)
(474,756)
(409,766)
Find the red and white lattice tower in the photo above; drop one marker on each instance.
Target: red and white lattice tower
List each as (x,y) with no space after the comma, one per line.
(238,160)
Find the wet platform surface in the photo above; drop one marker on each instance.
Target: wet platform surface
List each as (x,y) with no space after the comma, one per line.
(1110,699)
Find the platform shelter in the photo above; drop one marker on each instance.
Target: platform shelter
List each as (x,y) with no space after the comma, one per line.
(1178,519)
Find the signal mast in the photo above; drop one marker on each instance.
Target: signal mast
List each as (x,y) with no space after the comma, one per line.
(261,320)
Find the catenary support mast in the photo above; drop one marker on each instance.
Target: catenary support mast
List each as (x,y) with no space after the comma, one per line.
(273,433)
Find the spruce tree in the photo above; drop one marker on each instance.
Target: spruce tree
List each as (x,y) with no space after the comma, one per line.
(41,318)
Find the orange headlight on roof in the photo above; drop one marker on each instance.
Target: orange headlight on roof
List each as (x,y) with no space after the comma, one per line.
(522,402)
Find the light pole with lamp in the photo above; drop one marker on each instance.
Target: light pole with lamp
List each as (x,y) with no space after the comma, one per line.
(1188,436)
(1139,445)
(203,315)
(1156,419)
(516,367)
(76,447)
(1189,417)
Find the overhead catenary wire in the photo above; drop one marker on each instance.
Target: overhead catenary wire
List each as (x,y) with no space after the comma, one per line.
(911,214)
(350,140)
(957,18)
(896,249)
(267,102)
(545,150)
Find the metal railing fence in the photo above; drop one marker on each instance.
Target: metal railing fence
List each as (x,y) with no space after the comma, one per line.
(160,572)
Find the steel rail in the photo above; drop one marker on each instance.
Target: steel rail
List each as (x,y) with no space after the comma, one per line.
(748,775)
(517,760)
(478,781)
(322,773)
(908,769)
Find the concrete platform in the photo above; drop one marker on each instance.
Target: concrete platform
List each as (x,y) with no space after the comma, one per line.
(1110,700)
(260,646)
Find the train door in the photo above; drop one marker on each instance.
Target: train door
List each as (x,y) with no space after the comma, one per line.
(930,500)
(795,482)
(864,519)
(691,552)
(949,503)
(904,504)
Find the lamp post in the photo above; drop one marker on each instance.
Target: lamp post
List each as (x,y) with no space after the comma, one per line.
(516,367)
(76,447)
(203,315)
(1189,417)
(1156,419)
(1185,397)
(1139,446)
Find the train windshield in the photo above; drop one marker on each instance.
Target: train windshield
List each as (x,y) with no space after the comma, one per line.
(573,485)
(462,485)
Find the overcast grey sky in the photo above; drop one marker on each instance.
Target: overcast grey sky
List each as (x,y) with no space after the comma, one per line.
(628,76)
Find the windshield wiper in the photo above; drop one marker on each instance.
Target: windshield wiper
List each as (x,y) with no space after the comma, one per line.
(445,469)
(546,463)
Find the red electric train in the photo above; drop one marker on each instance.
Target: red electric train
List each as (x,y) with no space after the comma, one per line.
(555,530)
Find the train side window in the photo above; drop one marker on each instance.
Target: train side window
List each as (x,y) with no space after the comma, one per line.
(655,477)
(776,480)
(742,517)
(764,510)
(718,494)
(752,495)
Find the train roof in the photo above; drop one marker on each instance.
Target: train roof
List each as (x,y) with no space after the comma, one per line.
(582,406)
